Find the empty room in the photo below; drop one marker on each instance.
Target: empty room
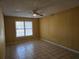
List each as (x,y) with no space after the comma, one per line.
(39,29)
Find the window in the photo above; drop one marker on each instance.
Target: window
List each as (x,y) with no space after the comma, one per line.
(28,28)
(23,28)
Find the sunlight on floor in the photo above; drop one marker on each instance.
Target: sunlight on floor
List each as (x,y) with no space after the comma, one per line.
(25,50)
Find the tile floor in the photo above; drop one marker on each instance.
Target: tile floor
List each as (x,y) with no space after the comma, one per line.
(38,50)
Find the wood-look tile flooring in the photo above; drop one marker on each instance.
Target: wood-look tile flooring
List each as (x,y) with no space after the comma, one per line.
(38,50)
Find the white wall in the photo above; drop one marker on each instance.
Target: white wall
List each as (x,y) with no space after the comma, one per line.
(2,36)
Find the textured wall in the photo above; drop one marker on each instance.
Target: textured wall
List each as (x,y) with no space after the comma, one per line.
(2,37)
(11,32)
(62,28)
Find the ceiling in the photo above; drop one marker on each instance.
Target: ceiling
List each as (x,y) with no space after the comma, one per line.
(23,8)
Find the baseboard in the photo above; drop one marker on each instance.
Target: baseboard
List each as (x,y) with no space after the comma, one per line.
(72,50)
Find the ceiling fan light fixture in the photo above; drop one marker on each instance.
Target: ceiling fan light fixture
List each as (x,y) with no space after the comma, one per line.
(34,15)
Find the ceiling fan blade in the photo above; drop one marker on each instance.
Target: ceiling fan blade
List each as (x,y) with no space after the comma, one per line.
(39,14)
(36,12)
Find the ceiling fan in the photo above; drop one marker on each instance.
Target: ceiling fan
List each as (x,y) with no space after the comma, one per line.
(35,12)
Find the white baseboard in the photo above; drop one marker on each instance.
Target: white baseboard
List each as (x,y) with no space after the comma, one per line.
(72,50)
